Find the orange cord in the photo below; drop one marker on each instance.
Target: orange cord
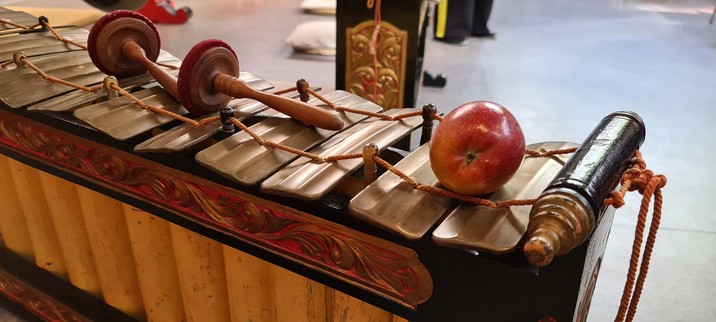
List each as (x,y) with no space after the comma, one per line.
(57,36)
(312,156)
(57,80)
(284,91)
(47,26)
(60,38)
(373,46)
(8,22)
(649,185)
(367,113)
(542,154)
(153,108)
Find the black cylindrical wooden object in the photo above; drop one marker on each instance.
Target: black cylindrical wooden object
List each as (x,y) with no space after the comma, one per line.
(565,214)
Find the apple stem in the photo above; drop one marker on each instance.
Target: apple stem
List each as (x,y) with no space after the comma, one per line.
(470,156)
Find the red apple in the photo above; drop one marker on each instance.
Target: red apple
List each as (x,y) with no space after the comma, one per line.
(477,148)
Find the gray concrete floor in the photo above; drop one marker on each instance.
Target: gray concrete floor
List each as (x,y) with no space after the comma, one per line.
(559,66)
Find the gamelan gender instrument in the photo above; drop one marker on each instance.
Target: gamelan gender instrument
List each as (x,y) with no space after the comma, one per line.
(192,193)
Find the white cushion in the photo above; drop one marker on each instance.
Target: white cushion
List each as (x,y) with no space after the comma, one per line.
(314,37)
(318,4)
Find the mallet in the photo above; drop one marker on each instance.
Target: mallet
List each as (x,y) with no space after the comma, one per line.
(125,43)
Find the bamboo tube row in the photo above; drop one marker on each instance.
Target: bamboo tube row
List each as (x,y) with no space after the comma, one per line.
(152,269)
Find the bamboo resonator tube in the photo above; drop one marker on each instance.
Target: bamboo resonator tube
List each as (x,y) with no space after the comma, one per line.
(152,269)
(565,214)
(125,43)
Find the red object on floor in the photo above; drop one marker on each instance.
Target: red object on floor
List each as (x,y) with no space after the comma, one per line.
(163,11)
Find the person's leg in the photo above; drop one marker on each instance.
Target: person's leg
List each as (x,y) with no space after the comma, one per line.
(453,20)
(481,15)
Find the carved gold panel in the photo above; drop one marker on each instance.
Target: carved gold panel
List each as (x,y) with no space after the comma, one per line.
(379,78)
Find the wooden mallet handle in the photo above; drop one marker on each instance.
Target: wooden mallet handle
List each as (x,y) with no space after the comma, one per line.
(208,79)
(136,54)
(303,112)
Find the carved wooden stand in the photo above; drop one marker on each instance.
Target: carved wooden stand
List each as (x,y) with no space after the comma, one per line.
(418,280)
(400,49)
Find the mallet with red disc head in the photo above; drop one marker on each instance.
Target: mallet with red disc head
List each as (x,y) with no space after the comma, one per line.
(125,43)
(208,80)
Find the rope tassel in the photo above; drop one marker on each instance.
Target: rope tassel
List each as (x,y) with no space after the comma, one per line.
(639,178)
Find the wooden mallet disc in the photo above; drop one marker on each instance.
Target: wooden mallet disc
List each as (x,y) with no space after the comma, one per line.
(208,80)
(110,32)
(195,85)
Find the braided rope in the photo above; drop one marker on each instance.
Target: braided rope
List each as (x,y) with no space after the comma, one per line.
(373,45)
(367,113)
(321,98)
(6,21)
(153,108)
(284,91)
(334,158)
(25,61)
(315,157)
(548,153)
(120,90)
(57,36)
(248,131)
(649,185)
(646,257)
(56,80)
(279,146)
(60,38)
(210,119)
(450,194)
(47,26)
(312,156)
(293,150)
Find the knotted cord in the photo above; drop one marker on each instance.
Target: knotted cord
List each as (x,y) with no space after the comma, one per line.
(6,21)
(312,156)
(649,185)
(373,46)
(45,24)
(56,80)
(315,157)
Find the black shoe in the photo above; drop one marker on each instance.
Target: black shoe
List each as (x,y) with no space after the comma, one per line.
(437,81)
(453,40)
(490,35)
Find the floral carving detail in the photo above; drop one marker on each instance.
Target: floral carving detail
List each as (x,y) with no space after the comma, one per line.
(36,302)
(383,267)
(381,80)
